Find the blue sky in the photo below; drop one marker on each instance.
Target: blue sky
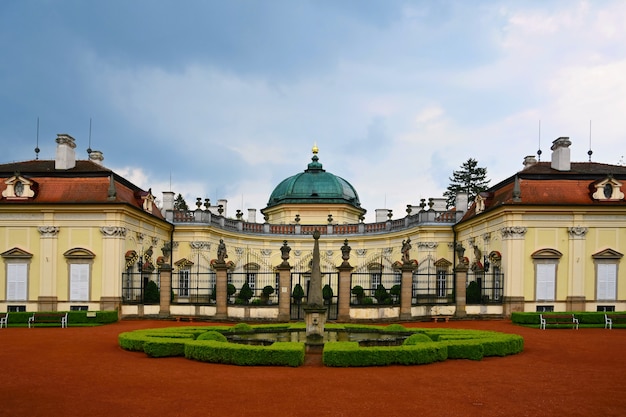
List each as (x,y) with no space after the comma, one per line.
(224,99)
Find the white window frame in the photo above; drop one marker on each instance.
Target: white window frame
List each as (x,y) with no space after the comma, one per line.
(606,280)
(80,281)
(545,280)
(17,281)
(184,282)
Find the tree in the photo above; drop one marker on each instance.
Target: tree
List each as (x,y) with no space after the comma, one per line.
(471,179)
(180,203)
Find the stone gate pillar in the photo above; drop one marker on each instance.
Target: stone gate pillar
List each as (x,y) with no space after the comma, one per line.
(460,279)
(221,289)
(165,276)
(345,275)
(406,293)
(284,291)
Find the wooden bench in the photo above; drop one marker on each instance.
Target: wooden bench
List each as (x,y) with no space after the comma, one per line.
(445,318)
(556,319)
(48,318)
(4,321)
(609,320)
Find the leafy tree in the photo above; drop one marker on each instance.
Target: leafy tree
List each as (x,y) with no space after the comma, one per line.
(471,179)
(180,203)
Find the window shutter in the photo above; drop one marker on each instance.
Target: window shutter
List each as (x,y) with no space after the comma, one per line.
(79,282)
(545,281)
(16,282)
(607,274)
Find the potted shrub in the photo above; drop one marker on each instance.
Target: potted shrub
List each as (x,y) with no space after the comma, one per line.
(245,293)
(327,294)
(265,294)
(359,293)
(297,294)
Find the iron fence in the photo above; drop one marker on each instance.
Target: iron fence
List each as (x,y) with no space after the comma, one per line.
(330,281)
(484,287)
(136,288)
(432,288)
(375,287)
(193,287)
(257,283)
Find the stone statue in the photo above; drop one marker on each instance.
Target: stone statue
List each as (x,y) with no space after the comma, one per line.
(406,247)
(221,252)
(345,251)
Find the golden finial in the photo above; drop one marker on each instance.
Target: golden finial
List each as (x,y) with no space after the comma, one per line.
(315,149)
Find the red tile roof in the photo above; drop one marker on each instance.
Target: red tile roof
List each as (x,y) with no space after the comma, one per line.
(87,183)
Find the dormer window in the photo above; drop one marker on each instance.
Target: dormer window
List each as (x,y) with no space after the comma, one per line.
(609,189)
(18,188)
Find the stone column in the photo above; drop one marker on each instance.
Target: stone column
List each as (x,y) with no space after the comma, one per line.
(345,275)
(460,278)
(221,295)
(284,291)
(406,293)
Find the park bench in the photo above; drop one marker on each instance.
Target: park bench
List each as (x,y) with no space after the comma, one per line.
(556,319)
(443,318)
(48,318)
(609,320)
(4,321)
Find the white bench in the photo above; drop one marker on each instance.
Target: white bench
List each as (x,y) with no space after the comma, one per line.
(48,318)
(557,319)
(4,321)
(608,320)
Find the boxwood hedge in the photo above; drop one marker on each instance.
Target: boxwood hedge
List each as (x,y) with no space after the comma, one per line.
(423,346)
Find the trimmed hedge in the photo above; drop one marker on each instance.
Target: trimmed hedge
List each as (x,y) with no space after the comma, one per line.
(423,346)
(344,354)
(278,354)
(20,318)
(585,318)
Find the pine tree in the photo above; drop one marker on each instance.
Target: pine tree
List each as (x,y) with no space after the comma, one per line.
(471,179)
(180,203)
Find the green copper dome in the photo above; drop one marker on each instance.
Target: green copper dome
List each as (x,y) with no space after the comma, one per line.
(314,186)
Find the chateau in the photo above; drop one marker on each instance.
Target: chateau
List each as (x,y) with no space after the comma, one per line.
(75,235)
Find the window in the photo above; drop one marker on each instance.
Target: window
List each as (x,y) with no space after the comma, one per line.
(546,261)
(183,283)
(545,309)
(79,282)
(441,282)
(546,277)
(605,308)
(606,262)
(607,281)
(79,262)
(15,309)
(79,308)
(17,280)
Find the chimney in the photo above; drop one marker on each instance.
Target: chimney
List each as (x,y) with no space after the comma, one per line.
(561,154)
(460,201)
(251,215)
(65,155)
(168,200)
(96,156)
(529,161)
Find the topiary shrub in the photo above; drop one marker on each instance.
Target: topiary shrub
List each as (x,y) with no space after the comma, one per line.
(395,293)
(241,327)
(368,301)
(245,293)
(327,293)
(472,295)
(151,294)
(381,295)
(395,328)
(297,294)
(213,335)
(417,338)
(358,292)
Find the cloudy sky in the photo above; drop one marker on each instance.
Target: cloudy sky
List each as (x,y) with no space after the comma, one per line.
(224,99)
